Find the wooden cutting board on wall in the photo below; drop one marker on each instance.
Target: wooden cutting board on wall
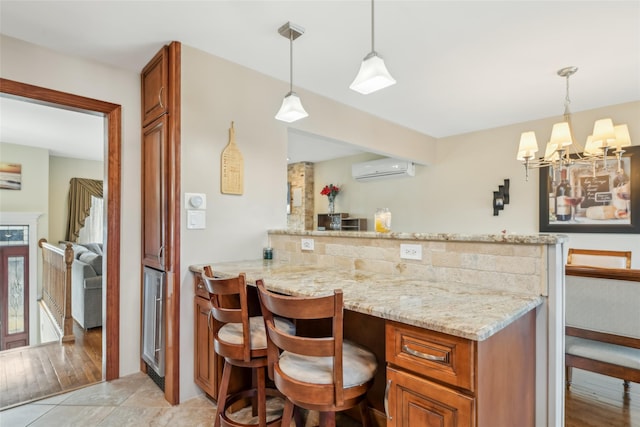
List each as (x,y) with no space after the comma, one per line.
(231,167)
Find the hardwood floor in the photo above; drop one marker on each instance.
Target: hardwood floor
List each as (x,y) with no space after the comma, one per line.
(31,373)
(596,400)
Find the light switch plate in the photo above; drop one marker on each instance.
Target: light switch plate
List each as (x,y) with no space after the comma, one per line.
(196,220)
(307,244)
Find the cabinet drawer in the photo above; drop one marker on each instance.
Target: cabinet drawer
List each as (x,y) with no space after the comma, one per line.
(414,401)
(443,357)
(200,289)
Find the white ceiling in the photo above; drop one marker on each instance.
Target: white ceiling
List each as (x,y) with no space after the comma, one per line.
(63,132)
(461,66)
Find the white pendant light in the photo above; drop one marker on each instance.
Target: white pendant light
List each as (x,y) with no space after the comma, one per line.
(373,74)
(291,108)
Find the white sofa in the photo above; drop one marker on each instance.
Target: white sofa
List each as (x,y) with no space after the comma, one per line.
(86,285)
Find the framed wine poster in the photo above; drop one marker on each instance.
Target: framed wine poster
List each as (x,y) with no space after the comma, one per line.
(592,198)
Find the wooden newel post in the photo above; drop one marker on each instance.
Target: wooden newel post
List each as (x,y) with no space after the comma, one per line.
(68,319)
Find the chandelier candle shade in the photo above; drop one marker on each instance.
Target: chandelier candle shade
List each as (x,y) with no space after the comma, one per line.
(291,108)
(562,150)
(373,74)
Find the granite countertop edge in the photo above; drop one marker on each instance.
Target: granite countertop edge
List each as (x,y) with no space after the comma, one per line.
(513,238)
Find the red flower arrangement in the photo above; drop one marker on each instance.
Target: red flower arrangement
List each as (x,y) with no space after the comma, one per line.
(331,191)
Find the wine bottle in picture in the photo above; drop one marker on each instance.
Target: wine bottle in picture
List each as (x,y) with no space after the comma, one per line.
(563,208)
(552,198)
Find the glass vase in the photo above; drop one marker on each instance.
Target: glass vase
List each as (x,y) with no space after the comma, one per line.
(336,222)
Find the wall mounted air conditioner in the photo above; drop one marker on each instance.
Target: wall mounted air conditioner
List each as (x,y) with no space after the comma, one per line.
(382,168)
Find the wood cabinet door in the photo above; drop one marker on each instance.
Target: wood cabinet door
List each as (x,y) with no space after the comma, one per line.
(414,401)
(154,195)
(205,372)
(155,79)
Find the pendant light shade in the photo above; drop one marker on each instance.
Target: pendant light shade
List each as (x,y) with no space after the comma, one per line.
(373,74)
(291,108)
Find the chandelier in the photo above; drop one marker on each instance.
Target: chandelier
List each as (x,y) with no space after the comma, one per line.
(606,141)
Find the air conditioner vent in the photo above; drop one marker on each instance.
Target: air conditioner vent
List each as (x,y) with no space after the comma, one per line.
(382,168)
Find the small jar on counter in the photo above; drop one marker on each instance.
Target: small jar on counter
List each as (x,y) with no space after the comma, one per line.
(267,253)
(382,220)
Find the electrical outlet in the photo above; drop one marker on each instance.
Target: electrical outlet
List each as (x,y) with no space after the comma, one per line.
(306,244)
(411,252)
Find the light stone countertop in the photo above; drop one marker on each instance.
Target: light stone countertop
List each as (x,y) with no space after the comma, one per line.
(528,239)
(471,312)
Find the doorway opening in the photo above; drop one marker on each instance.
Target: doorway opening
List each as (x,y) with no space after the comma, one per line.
(110,335)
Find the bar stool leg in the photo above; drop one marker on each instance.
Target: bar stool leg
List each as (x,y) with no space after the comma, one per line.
(364,413)
(222,393)
(262,396)
(287,413)
(327,419)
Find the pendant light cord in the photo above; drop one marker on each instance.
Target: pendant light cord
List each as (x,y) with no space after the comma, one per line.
(290,61)
(372,40)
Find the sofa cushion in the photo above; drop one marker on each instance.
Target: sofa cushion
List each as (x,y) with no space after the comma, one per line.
(79,250)
(93,282)
(93,259)
(93,247)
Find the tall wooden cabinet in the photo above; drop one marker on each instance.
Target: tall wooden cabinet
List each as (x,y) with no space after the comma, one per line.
(155,208)
(160,99)
(155,87)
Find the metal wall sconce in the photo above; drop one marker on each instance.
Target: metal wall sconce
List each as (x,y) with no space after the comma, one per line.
(501,197)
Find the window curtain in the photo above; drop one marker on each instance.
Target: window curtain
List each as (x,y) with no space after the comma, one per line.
(93,224)
(80,192)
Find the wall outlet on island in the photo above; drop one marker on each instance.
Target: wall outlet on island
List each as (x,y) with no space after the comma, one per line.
(410,251)
(306,244)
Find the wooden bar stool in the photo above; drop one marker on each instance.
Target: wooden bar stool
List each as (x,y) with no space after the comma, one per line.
(325,374)
(241,340)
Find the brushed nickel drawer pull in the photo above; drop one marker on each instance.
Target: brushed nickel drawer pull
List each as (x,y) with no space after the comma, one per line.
(386,400)
(421,355)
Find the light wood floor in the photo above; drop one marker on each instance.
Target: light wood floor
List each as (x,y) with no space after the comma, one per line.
(599,401)
(31,373)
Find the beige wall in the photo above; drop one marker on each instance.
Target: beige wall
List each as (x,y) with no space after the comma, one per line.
(34,195)
(215,93)
(61,170)
(35,65)
(474,165)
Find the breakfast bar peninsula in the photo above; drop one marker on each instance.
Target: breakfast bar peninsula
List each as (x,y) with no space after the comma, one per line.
(468,333)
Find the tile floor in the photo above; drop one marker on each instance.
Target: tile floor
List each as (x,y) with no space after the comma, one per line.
(133,400)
